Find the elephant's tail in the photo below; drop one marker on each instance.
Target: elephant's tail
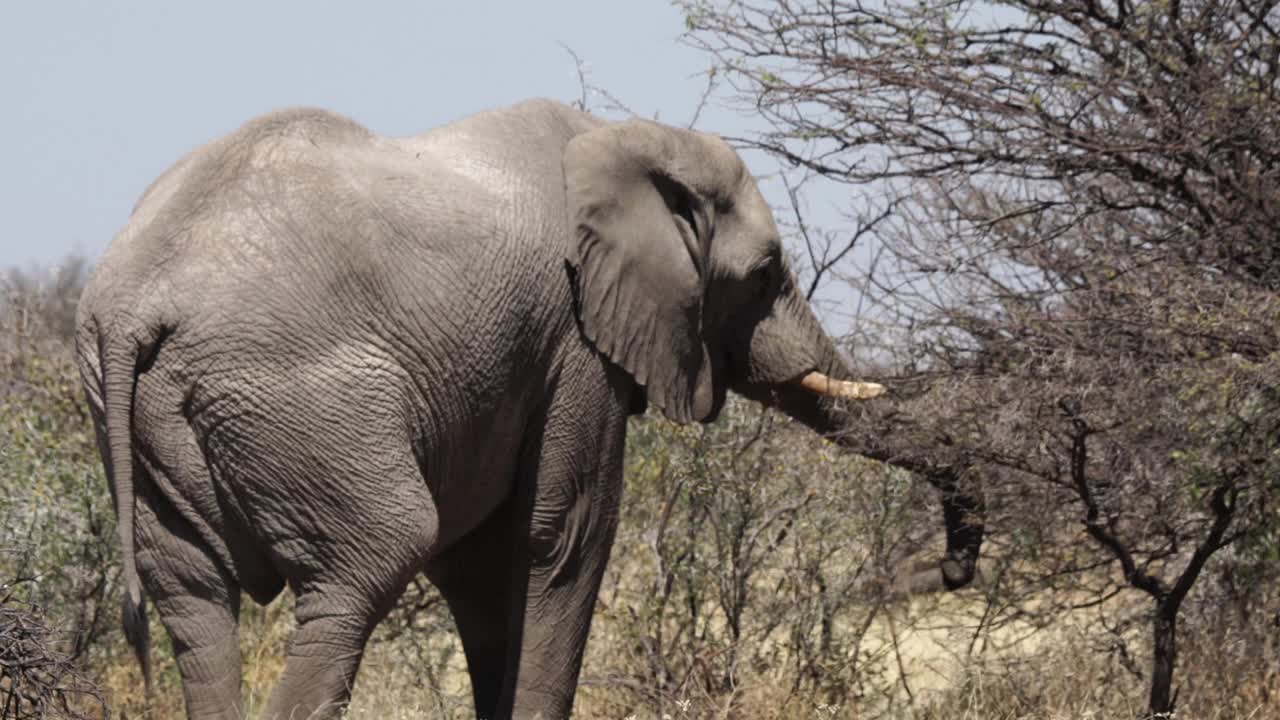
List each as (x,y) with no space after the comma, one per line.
(119,376)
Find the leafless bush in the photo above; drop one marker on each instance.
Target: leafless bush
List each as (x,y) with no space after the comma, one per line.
(55,520)
(752,561)
(37,680)
(1076,290)
(40,305)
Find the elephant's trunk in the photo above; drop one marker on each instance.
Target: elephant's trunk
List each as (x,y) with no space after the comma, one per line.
(819,399)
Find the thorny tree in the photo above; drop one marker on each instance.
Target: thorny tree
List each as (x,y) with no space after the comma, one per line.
(1078,290)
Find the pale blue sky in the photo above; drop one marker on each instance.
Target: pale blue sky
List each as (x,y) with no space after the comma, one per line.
(99,98)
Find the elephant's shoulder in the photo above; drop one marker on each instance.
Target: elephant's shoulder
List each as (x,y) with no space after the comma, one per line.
(521,130)
(554,110)
(541,111)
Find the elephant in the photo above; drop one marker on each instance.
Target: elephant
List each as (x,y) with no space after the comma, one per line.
(323,358)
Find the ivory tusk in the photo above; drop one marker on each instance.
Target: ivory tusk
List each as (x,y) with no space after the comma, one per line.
(819,384)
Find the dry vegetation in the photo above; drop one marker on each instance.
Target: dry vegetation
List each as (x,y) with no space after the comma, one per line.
(1070,209)
(754,577)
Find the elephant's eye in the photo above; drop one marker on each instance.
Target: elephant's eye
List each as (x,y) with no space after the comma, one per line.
(679,200)
(685,211)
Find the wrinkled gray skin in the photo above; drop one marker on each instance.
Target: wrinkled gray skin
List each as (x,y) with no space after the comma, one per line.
(332,360)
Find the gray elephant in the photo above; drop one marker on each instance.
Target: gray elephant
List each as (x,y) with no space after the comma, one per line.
(328,359)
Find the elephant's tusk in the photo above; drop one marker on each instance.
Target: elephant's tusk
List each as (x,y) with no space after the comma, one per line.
(819,384)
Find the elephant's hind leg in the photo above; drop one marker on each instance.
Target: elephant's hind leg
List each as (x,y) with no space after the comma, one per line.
(198,604)
(346,582)
(335,618)
(195,593)
(324,655)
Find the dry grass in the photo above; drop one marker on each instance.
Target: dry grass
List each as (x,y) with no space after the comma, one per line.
(1060,675)
(936,658)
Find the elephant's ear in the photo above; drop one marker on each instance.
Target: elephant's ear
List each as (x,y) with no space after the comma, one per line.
(639,257)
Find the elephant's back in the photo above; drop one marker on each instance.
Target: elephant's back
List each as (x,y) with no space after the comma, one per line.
(303,224)
(201,221)
(514,155)
(293,203)
(518,144)
(294,194)
(276,142)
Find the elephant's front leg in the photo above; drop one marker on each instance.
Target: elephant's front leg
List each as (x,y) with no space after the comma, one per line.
(571,513)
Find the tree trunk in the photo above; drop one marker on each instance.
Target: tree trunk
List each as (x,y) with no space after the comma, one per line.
(1164,655)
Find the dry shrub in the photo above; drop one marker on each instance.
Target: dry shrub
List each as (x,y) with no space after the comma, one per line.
(750,573)
(56,575)
(1074,680)
(751,579)
(37,679)
(1077,283)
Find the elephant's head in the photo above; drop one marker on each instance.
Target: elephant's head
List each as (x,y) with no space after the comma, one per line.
(680,277)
